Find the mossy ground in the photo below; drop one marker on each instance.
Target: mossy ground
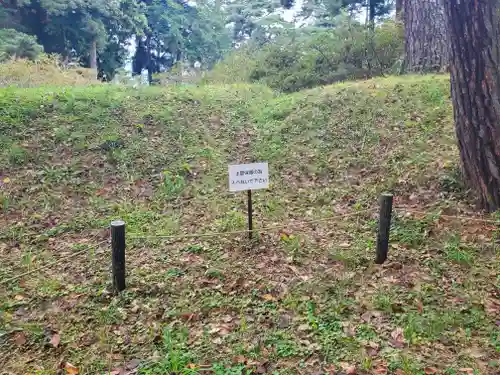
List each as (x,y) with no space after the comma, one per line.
(304,299)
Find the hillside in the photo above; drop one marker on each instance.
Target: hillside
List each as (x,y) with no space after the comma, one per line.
(306,298)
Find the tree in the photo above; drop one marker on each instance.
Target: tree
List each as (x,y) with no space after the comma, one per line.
(14,44)
(254,19)
(475,89)
(83,29)
(426,36)
(399,9)
(323,11)
(177,32)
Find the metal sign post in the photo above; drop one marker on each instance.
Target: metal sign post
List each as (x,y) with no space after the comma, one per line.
(249,177)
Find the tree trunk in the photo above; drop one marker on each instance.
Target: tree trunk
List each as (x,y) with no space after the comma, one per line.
(399,10)
(149,61)
(426,36)
(475,90)
(371,13)
(93,55)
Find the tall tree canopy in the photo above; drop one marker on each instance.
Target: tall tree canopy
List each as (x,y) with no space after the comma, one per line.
(324,10)
(177,31)
(14,44)
(98,33)
(81,29)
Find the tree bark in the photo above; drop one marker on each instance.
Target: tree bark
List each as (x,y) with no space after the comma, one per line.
(371,13)
(475,91)
(426,36)
(399,10)
(93,54)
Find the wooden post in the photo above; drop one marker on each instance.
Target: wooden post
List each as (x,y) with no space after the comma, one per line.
(250,215)
(384,227)
(118,254)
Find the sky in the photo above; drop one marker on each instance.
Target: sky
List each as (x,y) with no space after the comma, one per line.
(288,14)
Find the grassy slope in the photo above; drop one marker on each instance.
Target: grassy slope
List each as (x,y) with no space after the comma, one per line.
(306,301)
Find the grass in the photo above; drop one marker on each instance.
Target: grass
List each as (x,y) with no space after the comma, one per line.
(302,299)
(46,70)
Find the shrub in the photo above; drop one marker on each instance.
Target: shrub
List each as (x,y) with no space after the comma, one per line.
(14,44)
(316,56)
(46,70)
(235,68)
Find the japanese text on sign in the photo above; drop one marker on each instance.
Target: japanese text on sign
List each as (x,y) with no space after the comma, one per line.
(248,176)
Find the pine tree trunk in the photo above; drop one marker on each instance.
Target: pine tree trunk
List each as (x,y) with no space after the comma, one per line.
(371,13)
(475,89)
(93,55)
(426,36)
(399,10)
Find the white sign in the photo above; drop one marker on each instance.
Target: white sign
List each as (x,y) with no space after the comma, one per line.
(248,177)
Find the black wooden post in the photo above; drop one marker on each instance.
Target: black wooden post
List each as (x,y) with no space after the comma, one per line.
(384,227)
(250,215)
(118,254)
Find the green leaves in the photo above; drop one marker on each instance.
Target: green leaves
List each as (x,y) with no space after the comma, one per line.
(18,45)
(178,32)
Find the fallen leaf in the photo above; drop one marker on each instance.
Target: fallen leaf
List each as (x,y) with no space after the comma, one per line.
(6,180)
(330,370)
(350,330)
(303,327)
(284,236)
(475,352)
(261,369)
(345,244)
(397,333)
(420,306)
(192,366)
(397,338)
(55,340)
(284,321)
(268,297)
(190,317)
(100,192)
(240,359)
(20,338)
(467,370)
(381,370)
(351,370)
(70,369)
(224,330)
(430,370)
(130,368)
(132,365)
(19,297)
(372,349)
(367,316)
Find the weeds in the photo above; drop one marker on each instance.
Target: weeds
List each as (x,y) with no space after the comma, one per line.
(17,155)
(457,252)
(301,298)
(175,356)
(172,184)
(410,232)
(232,221)
(292,245)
